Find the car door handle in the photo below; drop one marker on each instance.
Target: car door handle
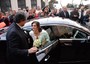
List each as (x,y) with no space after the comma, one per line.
(46,59)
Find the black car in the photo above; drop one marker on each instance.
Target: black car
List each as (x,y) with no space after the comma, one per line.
(69,41)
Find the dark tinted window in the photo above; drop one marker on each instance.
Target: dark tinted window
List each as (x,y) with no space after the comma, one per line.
(33,3)
(42,3)
(21,4)
(68,32)
(5,5)
(62,31)
(80,35)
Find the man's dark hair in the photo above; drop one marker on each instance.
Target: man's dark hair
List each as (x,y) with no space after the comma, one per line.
(19,16)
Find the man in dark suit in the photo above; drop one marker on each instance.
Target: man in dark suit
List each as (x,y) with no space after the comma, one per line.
(74,15)
(64,13)
(19,46)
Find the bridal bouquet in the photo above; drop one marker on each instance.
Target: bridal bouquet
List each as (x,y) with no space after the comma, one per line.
(37,43)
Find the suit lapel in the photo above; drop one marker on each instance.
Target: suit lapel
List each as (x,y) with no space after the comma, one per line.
(20,31)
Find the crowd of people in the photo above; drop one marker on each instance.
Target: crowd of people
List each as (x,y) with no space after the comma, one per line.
(80,15)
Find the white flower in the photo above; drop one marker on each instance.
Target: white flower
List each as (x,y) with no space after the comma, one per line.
(37,43)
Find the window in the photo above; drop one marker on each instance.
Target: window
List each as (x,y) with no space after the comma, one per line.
(21,4)
(33,3)
(68,32)
(42,3)
(80,34)
(5,5)
(62,31)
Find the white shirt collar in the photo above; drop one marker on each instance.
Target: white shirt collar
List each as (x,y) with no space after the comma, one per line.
(19,25)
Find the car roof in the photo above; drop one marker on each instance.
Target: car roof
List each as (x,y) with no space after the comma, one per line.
(57,20)
(52,20)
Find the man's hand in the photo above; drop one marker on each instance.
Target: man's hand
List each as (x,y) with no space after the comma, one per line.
(32,50)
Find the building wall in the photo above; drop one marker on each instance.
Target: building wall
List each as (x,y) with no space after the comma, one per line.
(15,4)
(28,3)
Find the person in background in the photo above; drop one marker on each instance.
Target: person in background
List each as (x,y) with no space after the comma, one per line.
(31,15)
(38,10)
(10,11)
(64,13)
(86,17)
(45,11)
(34,12)
(53,13)
(3,20)
(27,9)
(81,14)
(7,14)
(39,35)
(11,17)
(74,15)
(19,47)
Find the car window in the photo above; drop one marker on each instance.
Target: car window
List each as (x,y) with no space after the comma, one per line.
(80,34)
(68,32)
(62,31)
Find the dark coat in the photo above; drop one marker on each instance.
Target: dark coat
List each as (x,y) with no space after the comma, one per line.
(82,16)
(11,18)
(61,14)
(72,15)
(86,18)
(18,45)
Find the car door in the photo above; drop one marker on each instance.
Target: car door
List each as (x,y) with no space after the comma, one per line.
(42,54)
(81,45)
(73,43)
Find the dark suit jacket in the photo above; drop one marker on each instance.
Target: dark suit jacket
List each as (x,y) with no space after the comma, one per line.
(17,46)
(72,15)
(61,14)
